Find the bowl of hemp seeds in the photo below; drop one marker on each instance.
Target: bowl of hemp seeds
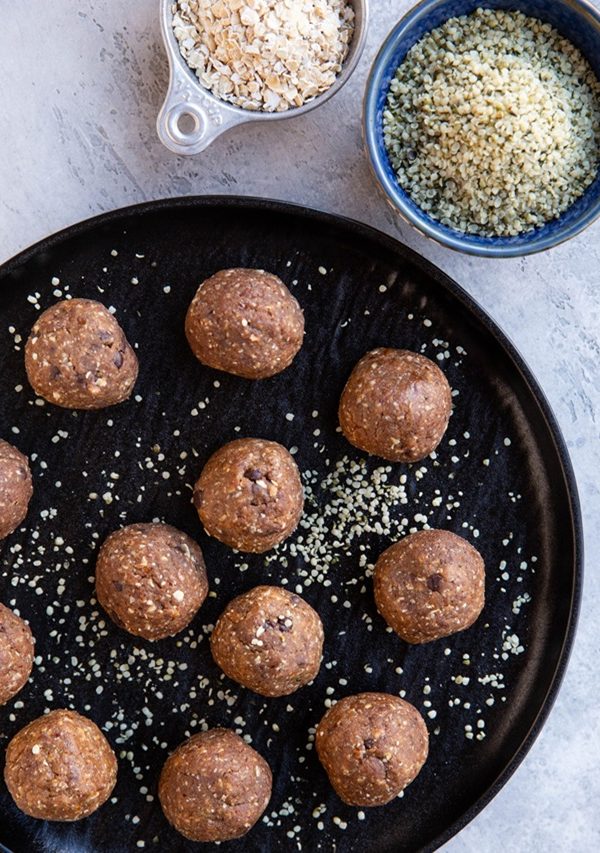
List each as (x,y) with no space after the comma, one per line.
(482,122)
(236,61)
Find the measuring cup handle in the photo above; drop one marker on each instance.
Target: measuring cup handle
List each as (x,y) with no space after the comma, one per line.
(207,119)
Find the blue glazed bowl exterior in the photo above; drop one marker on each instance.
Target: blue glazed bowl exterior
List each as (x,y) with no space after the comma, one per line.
(577,20)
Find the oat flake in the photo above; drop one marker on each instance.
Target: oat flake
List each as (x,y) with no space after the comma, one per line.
(266,55)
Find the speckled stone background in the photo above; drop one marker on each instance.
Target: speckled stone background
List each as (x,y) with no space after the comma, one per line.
(81,86)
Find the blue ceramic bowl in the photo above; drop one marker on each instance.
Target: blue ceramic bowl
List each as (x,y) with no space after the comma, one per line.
(578,20)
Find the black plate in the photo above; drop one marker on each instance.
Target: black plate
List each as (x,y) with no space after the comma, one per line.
(522,504)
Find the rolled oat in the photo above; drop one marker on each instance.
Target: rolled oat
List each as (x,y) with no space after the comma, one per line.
(264,55)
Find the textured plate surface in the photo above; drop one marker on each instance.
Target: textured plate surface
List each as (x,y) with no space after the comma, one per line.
(501,478)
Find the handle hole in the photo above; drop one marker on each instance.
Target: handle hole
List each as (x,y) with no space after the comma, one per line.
(187,124)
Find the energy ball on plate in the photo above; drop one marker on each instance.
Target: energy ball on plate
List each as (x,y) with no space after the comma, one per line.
(214,787)
(16,654)
(16,488)
(429,585)
(372,746)
(245,322)
(77,356)
(396,404)
(60,767)
(249,495)
(151,579)
(269,640)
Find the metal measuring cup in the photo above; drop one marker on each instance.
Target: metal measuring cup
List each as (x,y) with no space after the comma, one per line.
(208,115)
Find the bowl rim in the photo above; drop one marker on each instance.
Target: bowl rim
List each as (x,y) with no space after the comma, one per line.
(396,197)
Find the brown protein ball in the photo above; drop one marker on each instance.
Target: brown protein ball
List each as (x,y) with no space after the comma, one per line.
(249,495)
(151,579)
(245,322)
(372,746)
(396,404)
(429,585)
(60,767)
(16,488)
(269,640)
(77,356)
(214,787)
(16,654)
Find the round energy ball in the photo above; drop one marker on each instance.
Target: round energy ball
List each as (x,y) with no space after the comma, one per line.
(249,495)
(269,640)
(429,585)
(372,746)
(151,579)
(77,356)
(60,767)
(214,787)
(16,654)
(245,322)
(396,404)
(16,488)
